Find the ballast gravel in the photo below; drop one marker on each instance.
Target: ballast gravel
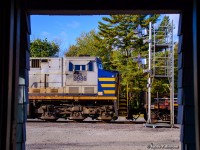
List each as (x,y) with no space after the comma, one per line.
(95,135)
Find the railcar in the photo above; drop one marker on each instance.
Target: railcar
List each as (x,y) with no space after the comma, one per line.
(160,109)
(73,88)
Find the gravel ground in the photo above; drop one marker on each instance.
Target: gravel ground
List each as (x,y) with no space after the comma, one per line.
(65,135)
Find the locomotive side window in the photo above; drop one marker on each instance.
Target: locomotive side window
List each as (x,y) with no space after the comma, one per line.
(83,68)
(35,63)
(70,66)
(77,67)
(90,66)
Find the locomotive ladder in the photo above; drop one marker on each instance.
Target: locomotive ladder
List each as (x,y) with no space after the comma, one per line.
(122,109)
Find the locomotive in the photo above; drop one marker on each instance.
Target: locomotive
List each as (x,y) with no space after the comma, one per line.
(73,88)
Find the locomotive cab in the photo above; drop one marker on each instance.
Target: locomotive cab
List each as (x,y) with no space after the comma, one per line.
(81,75)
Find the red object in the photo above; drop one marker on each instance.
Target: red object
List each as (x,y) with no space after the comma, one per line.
(166,102)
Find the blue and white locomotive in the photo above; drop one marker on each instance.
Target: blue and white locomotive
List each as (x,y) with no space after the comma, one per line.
(72,87)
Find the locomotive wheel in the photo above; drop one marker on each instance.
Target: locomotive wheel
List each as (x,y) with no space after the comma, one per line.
(154,116)
(77,116)
(164,116)
(105,117)
(49,117)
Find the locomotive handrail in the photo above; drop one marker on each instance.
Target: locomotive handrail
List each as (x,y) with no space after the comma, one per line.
(68,97)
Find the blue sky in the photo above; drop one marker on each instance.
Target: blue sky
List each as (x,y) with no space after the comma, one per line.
(65,29)
(62,29)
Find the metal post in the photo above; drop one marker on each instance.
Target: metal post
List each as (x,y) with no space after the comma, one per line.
(127,98)
(149,78)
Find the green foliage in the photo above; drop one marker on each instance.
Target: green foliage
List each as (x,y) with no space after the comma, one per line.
(85,45)
(119,33)
(161,85)
(43,48)
(162,27)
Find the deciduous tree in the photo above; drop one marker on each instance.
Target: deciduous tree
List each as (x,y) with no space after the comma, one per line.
(43,48)
(86,44)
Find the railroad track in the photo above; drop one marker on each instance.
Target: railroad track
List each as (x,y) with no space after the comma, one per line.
(87,121)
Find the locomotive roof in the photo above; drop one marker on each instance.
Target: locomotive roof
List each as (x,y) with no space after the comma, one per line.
(81,57)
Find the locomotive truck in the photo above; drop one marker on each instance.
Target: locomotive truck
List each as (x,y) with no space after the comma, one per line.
(73,88)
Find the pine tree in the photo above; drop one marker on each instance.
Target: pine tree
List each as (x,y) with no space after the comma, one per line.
(123,45)
(161,85)
(161,28)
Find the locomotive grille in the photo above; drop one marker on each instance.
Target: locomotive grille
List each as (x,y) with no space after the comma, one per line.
(54,90)
(73,90)
(89,90)
(36,90)
(35,63)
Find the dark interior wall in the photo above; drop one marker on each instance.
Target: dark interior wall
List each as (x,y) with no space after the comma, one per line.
(14,42)
(196,49)
(9,46)
(96,7)
(23,80)
(185,86)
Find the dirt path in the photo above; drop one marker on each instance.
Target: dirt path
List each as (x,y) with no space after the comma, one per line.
(99,136)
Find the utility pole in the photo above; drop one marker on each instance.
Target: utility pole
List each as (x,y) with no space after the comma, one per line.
(149,78)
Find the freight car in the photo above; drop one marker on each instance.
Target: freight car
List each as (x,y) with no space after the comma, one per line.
(72,88)
(160,109)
